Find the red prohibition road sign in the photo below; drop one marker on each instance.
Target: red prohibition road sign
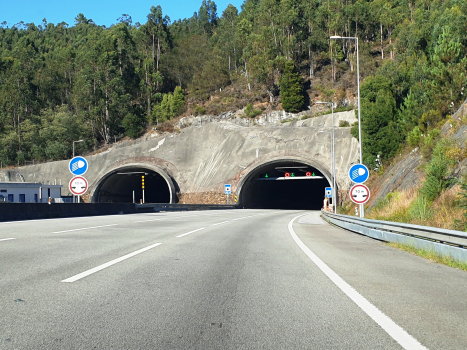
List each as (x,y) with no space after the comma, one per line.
(78,185)
(359,194)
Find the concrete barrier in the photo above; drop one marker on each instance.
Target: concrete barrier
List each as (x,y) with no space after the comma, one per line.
(28,211)
(156,207)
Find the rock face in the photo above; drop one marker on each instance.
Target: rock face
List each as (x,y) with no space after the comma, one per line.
(404,173)
(203,156)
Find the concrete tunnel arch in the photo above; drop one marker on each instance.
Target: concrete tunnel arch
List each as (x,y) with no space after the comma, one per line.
(283,194)
(117,185)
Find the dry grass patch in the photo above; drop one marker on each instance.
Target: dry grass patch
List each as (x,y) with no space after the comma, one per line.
(408,207)
(445,209)
(395,207)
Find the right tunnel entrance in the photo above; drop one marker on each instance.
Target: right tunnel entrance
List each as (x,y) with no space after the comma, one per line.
(284,185)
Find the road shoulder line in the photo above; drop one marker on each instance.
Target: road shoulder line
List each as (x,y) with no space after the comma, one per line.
(389,326)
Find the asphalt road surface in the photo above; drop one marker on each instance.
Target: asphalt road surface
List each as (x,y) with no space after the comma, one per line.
(233,279)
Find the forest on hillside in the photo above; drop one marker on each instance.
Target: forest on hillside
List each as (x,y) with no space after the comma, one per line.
(65,82)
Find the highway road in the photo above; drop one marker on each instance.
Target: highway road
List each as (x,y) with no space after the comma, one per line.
(233,279)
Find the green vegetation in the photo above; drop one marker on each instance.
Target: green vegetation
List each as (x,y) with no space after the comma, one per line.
(251,112)
(439,201)
(107,83)
(431,255)
(291,89)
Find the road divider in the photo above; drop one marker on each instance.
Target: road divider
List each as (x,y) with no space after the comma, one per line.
(148,220)
(110,263)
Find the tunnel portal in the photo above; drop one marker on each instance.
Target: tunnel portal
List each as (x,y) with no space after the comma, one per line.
(118,187)
(284,185)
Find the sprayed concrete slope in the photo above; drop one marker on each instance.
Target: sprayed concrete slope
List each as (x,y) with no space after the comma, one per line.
(203,158)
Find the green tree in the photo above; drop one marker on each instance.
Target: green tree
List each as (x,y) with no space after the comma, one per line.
(380,131)
(291,89)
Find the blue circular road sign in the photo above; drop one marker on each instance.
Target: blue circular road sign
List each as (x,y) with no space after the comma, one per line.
(78,166)
(359,173)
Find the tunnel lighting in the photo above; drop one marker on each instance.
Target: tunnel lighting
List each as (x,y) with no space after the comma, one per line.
(132,173)
(291,167)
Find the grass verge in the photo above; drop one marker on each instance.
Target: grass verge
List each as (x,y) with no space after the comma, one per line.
(431,255)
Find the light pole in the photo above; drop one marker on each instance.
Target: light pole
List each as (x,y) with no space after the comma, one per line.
(333,157)
(74,146)
(362,206)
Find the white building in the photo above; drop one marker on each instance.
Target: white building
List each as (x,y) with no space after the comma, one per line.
(28,192)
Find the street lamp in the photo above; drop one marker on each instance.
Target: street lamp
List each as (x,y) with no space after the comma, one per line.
(362,207)
(74,146)
(333,156)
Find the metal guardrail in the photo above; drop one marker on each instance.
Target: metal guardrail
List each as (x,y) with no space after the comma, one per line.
(181,207)
(442,241)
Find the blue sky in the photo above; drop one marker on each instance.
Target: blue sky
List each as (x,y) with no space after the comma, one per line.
(102,12)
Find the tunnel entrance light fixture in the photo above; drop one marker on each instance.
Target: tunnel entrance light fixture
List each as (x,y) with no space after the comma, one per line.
(333,155)
(290,178)
(337,37)
(133,173)
(291,167)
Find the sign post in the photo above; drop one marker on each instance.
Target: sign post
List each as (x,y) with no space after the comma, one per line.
(228,191)
(358,174)
(78,167)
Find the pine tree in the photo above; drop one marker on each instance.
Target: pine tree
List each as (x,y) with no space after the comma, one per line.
(291,89)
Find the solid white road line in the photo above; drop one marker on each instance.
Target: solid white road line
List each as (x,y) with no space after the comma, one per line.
(6,239)
(185,234)
(110,263)
(220,223)
(395,331)
(86,228)
(148,220)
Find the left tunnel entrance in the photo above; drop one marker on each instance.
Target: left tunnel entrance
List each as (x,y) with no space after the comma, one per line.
(119,186)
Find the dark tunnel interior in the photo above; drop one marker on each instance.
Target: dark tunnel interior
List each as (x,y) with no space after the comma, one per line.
(119,187)
(285,185)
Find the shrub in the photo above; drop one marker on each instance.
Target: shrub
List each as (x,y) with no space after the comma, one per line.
(251,112)
(429,143)
(200,110)
(420,209)
(344,123)
(414,137)
(437,171)
(462,224)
